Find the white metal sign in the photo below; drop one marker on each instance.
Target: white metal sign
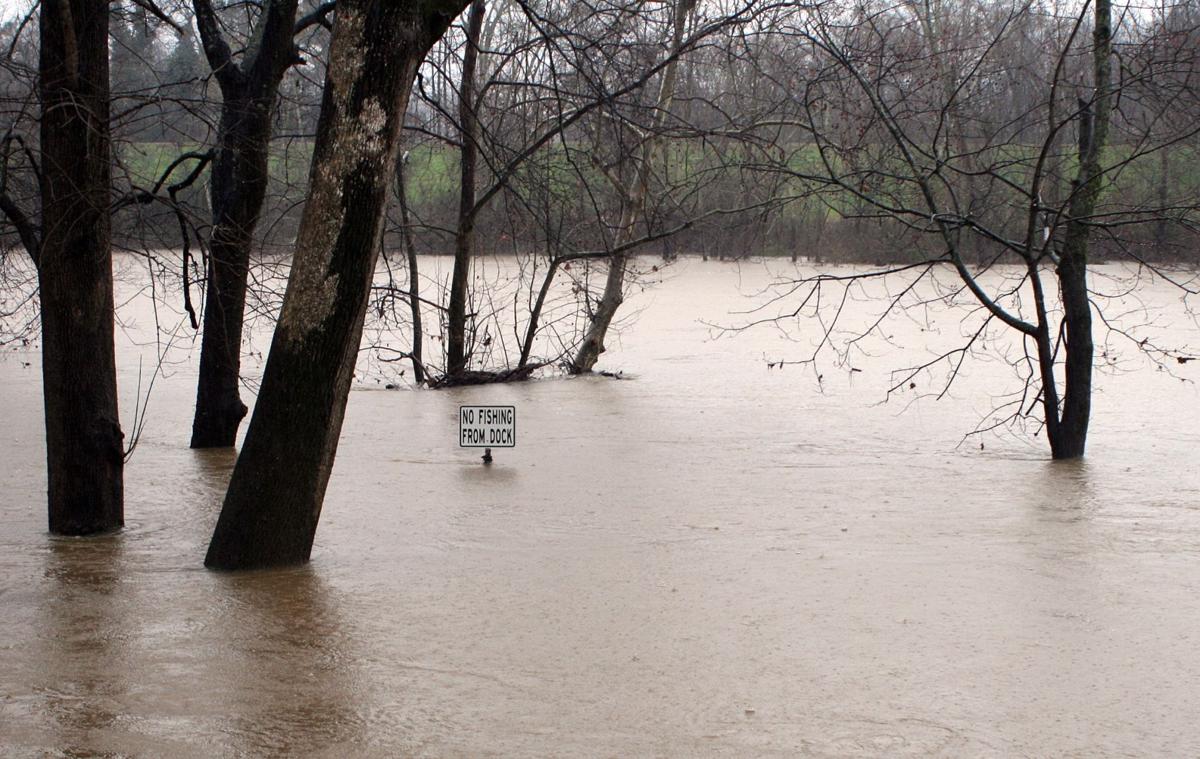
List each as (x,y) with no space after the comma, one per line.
(487,426)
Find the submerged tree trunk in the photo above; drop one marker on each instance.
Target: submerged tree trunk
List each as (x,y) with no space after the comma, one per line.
(237,190)
(634,203)
(84,449)
(274,500)
(414,282)
(239,186)
(614,295)
(535,314)
(464,239)
(1068,438)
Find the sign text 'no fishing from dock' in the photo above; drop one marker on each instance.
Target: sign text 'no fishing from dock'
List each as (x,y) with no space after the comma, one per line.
(487,426)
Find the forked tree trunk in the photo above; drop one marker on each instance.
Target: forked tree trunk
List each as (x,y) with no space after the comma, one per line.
(239,186)
(1068,438)
(464,239)
(84,449)
(634,206)
(275,495)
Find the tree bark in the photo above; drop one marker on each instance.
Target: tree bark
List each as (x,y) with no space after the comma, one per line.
(1068,438)
(275,495)
(239,180)
(614,295)
(84,449)
(464,239)
(239,186)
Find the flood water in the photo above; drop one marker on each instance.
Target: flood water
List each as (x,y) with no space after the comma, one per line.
(708,558)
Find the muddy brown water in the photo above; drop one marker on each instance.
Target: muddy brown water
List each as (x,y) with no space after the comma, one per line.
(710,559)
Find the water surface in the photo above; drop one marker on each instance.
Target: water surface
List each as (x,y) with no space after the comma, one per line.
(713,558)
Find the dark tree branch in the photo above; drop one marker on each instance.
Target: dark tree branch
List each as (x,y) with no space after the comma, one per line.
(320,15)
(152,7)
(216,49)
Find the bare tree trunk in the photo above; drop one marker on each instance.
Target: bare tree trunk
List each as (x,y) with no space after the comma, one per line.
(535,314)
(464,240)
(239,186)
(614,295)
(84,449)
(1071,437)
(239,180)
(278,485)
(414,282)
(635,202)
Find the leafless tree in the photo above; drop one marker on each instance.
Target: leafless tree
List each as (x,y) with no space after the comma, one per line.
(946,151)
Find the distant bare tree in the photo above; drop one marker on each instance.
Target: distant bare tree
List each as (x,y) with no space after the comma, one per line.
(940,153)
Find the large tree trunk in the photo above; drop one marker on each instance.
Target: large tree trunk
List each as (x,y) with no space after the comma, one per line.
(1069,436)
(84,449)
(464,239)
(274,500)
(239,186)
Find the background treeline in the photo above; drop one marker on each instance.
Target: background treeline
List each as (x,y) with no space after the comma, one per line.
(747,98)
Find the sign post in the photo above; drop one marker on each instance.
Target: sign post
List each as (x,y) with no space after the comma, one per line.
(487,427)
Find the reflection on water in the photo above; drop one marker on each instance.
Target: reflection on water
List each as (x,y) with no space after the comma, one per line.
(285,663)
(213,467)
(712,559)
(197,664)
(83,666)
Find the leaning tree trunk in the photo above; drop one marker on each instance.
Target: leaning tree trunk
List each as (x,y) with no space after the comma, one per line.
(464,239)
(1069,436)
(614,295)
(535,313)
(239,186)
(274,500)
(84,449)
(634,203)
